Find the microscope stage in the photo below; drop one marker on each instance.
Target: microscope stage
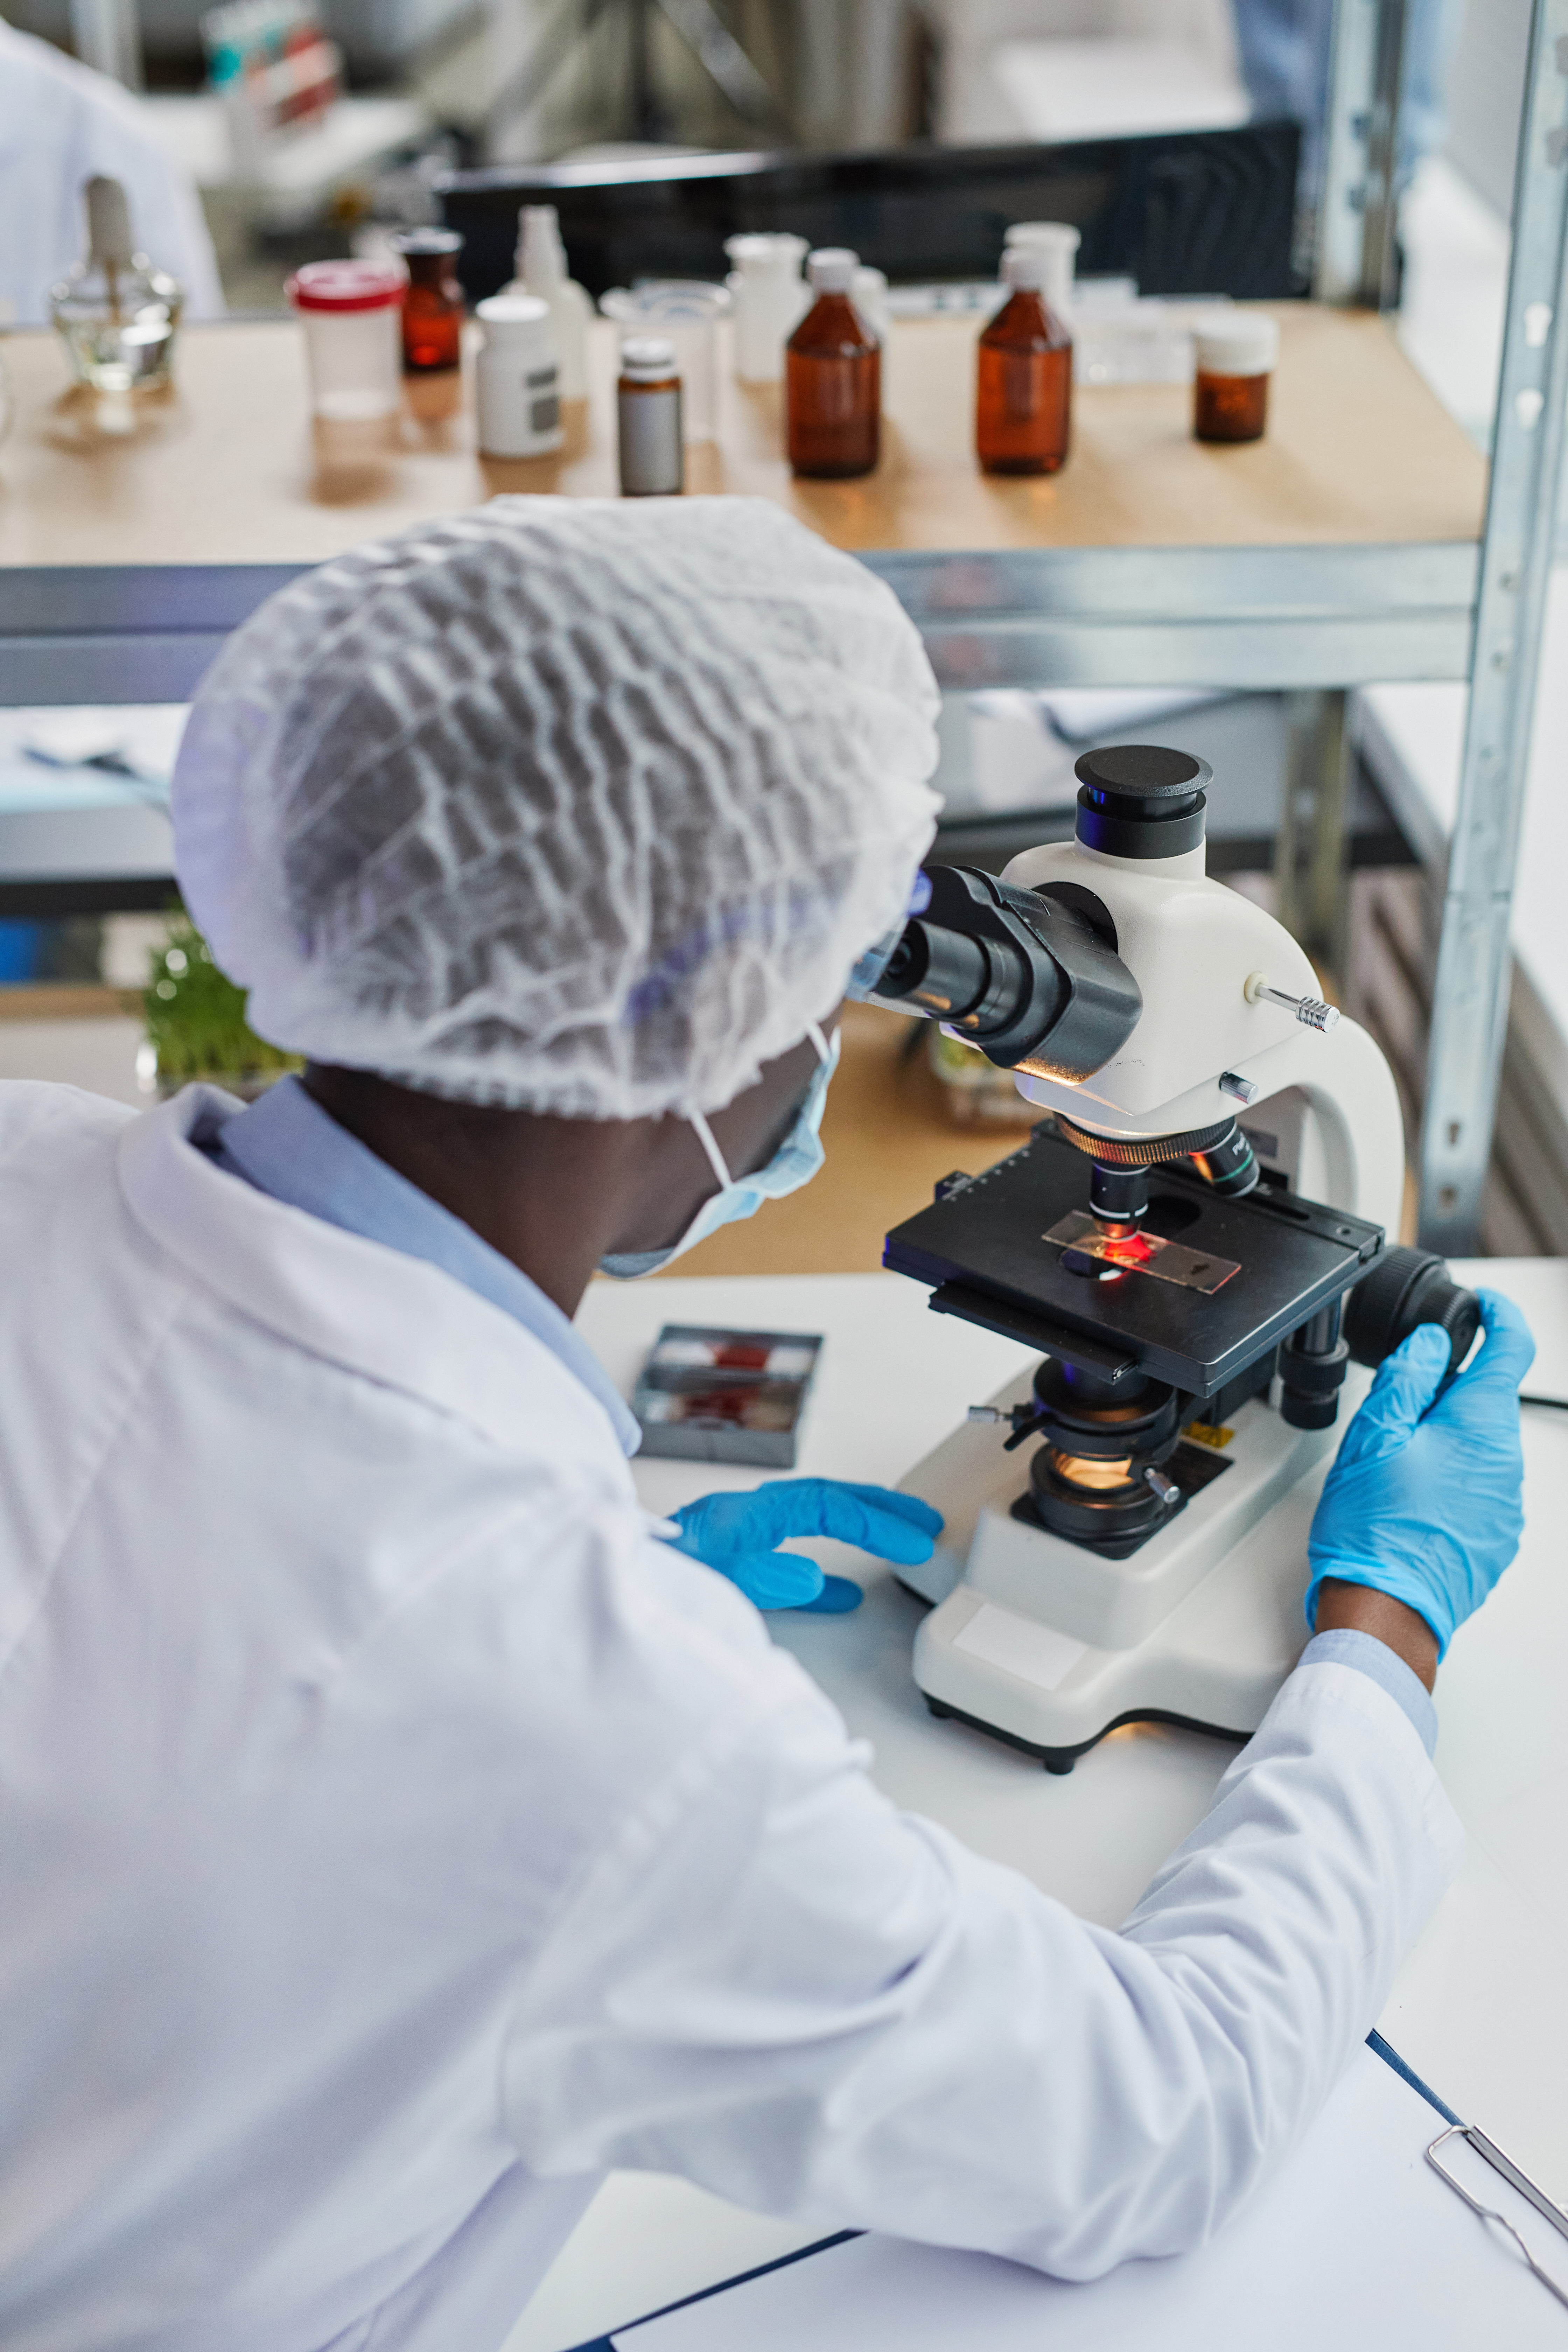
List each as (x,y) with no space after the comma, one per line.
(983,1250)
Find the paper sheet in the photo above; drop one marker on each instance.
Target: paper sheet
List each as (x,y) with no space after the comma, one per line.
(1355,2243)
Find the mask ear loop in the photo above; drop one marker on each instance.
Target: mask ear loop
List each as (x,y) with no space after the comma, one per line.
(704,1134)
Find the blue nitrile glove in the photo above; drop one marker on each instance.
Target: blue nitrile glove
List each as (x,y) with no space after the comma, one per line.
(1424,1500)
(738,1535)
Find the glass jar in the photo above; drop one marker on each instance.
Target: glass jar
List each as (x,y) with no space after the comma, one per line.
(116,313)
(1235,359)
(432,300)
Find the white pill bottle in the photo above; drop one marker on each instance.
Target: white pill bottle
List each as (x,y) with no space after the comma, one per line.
(517,381)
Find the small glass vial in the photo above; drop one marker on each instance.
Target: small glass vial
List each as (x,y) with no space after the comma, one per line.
(1230,393)
(833,377)
(116,313)
(647,415)
(351,312)
(432,300)
(517,380)
(1023,406)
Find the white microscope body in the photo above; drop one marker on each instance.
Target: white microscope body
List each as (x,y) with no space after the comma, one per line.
(1032,1635)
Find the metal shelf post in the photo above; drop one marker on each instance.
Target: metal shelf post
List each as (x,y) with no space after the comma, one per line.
(1470,1012)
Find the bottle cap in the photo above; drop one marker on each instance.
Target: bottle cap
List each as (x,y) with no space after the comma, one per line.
(646,359)
(1024,269)
(1248,344)
(345,286)
(108,221)
(1045,237)
(413,242)
(510,314)
(831,268)
(754,249)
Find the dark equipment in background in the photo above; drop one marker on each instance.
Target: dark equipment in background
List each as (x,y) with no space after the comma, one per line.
(1201,212)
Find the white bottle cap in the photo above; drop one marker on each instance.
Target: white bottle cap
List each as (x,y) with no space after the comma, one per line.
(1024,267)
(504,315)
(752,249)
(831,268)
(1248,344)
(1046,236)
(646,359)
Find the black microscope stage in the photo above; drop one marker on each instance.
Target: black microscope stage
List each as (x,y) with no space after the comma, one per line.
(982,1247)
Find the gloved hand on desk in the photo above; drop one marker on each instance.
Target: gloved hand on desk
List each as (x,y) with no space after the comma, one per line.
(1423,1502)
(738,1535)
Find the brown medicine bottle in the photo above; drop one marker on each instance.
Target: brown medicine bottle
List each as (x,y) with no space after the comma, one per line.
(1230,392)
(432,300)
(833,377)
(1023,404)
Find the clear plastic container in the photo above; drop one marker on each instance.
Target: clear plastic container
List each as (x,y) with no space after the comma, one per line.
(769,298)
(686,312)
(352,316)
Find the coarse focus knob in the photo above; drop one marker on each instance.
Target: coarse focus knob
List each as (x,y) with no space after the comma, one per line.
(1402,1288)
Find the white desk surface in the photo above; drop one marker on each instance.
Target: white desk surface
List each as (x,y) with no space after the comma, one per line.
(1476,2009)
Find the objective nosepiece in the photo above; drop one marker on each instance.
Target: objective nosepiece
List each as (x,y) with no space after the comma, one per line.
(1141,800)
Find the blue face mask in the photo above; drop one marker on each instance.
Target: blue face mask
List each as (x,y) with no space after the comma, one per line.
(794,1163)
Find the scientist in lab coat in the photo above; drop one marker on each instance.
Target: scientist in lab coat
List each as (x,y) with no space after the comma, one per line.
(397,1831)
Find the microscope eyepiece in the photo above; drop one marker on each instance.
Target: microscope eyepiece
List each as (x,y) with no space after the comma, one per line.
(1141,800)
(1032,980)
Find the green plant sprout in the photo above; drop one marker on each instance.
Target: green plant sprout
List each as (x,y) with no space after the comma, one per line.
(195,1016)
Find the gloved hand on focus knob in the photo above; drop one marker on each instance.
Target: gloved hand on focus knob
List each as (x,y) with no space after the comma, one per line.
(738,1535)
(1423,1501)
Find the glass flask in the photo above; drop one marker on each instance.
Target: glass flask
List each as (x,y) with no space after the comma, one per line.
(118,315)
(432,300)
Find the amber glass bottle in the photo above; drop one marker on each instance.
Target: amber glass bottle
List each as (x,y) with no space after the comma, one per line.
(1023,392)
(433,301)
(833,377)
(1235,359)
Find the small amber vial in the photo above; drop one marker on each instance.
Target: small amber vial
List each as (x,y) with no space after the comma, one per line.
(1230,391)
(1023,407)
(833,377)
(432,300)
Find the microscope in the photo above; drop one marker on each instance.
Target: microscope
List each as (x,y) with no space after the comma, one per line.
(1194,1240)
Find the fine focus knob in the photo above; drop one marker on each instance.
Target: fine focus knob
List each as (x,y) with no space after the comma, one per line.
(1405,1287)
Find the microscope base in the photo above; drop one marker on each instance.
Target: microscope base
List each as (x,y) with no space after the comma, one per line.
(1049,1647)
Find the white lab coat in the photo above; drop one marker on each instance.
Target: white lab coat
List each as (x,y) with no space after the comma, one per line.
(59,124)
(394,1835)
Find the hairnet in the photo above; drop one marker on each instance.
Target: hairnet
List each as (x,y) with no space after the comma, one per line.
(567,804)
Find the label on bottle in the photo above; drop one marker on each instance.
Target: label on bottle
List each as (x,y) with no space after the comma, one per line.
(652,461)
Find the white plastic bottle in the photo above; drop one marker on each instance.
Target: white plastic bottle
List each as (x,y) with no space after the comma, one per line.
(541,267)
(515,379)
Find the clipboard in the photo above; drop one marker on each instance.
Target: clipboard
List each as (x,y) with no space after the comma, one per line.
(1438,2156)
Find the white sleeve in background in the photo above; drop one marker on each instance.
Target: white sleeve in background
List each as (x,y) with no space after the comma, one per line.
(59,124)
(781,1987)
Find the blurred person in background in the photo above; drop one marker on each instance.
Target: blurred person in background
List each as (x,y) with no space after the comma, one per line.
(59,124)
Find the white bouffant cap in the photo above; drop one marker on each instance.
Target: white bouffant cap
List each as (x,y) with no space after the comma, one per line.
(570,805)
